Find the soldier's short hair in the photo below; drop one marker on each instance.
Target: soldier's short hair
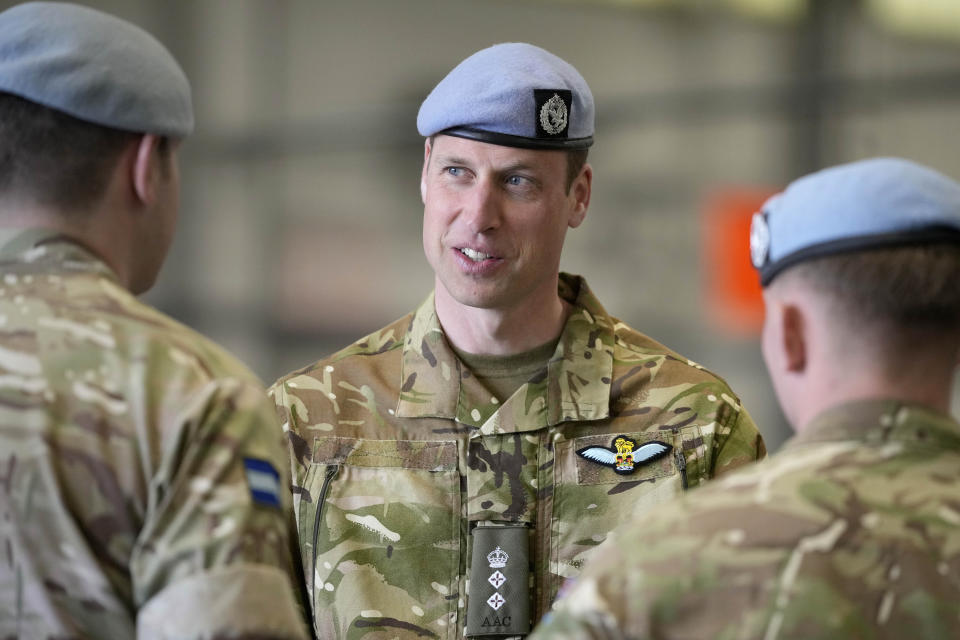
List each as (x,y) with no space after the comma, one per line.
(52,158)
(576,158)
(900,288)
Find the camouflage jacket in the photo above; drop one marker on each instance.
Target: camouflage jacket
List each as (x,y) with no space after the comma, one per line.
(851,531)
(141,472)
(398,452)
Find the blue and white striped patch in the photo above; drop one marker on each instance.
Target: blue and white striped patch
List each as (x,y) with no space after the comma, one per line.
(263,480)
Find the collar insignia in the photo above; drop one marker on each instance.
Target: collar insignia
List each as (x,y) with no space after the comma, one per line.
(624,455)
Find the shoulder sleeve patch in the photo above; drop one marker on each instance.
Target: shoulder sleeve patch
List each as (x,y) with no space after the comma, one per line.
(263,480)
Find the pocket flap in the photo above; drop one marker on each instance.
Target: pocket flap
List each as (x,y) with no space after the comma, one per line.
(429,455)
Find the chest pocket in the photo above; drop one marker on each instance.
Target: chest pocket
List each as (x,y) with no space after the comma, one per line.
(592,495)
(382,534)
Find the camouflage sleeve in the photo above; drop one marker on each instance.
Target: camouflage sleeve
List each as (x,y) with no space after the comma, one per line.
(587,626)
(213,558)
(738,442)
(675,576)
(627,589)
(592,608)
(709,566)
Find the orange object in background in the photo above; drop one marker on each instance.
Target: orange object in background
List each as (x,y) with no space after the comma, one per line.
(731,284)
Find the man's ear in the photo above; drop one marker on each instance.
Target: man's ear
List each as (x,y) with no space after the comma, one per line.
(580,191)
(423,172)
(147,169)
(795,336)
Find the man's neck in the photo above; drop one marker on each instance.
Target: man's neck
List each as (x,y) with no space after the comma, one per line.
(500,331)
(928,384)
(96,229)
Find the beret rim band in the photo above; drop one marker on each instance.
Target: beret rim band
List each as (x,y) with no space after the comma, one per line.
(928,235)
(508,140)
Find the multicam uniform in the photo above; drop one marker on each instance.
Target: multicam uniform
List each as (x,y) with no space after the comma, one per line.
(851,531)
(141,477)
(399,453)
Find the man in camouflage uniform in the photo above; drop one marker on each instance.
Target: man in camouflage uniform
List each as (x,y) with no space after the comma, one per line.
(142,479)
(451,469)
(853,529)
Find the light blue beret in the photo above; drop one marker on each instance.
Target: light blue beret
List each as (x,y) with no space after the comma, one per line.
(875,203)
(512,94)
(94,67)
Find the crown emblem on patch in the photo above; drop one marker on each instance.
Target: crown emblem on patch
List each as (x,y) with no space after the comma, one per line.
(624,455)
(497,558)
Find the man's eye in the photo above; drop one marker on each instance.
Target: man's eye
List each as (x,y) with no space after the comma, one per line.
(518,181)
(456,172)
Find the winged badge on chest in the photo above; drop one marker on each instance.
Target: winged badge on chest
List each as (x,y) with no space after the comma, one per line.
(624,455)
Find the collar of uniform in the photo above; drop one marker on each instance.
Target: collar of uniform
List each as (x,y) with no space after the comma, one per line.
(45,246)
(576,385)
(880,421)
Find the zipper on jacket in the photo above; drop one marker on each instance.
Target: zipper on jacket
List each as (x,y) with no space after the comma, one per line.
(681,466)
(331,473)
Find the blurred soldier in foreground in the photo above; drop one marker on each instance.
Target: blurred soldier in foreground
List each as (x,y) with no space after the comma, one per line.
(142,478)
(451,469)
(853,529)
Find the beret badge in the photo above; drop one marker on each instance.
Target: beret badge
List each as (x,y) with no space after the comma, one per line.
(553,115)
(759,239)
(553,112)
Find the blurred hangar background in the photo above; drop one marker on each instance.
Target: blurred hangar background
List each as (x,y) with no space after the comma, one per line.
(300,221)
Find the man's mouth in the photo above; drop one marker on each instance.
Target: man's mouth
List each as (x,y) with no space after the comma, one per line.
(476,256)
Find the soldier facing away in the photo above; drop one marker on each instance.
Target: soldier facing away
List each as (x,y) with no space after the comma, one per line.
(142,476)
(852,530)
(451,469)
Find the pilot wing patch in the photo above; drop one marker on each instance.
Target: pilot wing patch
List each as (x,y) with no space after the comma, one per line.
(624,455)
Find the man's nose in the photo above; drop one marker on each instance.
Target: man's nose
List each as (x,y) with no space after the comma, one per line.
(482,210)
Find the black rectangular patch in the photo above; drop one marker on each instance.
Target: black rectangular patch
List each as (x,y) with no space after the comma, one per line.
(554,108)
(499,590)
